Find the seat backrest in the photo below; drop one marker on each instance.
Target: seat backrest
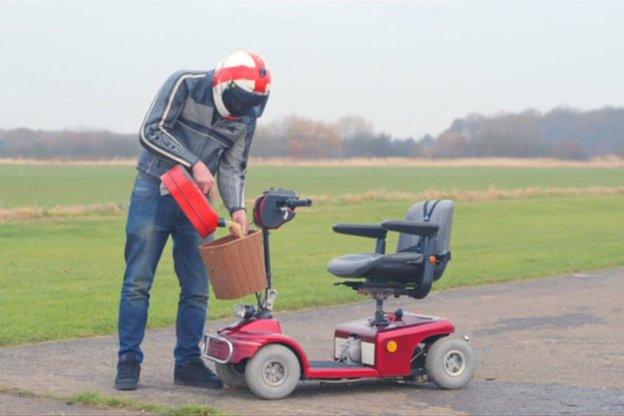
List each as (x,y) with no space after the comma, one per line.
(438,212)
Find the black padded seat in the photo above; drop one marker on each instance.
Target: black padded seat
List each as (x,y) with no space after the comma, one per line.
(352,265)
(397,266)
(422,254)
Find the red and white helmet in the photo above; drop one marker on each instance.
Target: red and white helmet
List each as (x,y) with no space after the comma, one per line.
(241,82)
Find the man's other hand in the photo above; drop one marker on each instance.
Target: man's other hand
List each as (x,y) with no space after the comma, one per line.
(240,217)
(204,179)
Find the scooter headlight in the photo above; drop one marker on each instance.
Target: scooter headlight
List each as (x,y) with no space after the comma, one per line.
(244,311)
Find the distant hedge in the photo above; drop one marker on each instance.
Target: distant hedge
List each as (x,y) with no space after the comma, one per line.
(561,133)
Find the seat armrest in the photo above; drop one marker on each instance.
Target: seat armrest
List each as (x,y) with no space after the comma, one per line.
(424,229)
(362,230)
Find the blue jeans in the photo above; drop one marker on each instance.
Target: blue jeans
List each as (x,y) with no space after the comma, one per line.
(151,219)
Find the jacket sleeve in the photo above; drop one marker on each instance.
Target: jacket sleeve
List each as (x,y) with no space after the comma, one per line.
(155,133)
(232,170)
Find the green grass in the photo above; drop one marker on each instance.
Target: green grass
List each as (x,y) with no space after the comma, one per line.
(95,399)
(61,278)
(98,400)
(51,185)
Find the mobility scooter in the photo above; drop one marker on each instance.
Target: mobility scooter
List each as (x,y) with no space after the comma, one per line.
(253,353)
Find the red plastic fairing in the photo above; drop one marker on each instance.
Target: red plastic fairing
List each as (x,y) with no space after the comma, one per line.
(398,363)
(407,333)
(248,337)
(191,200)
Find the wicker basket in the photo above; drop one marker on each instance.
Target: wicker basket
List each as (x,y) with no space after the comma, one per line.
(235,265)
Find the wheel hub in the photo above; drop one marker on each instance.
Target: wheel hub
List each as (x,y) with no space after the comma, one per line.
(274,373)
(454,363)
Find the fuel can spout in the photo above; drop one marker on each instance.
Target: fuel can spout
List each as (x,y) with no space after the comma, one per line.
(234,227)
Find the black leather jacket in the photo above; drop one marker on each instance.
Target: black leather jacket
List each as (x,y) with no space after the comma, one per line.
(183,126)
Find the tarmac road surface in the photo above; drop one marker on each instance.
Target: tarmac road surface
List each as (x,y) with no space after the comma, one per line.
(547,346)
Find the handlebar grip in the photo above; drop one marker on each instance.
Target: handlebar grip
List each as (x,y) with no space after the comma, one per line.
(293,203)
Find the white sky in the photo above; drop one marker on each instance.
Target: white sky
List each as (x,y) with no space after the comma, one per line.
(411,68)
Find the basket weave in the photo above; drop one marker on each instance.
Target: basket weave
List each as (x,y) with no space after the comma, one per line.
(235,265)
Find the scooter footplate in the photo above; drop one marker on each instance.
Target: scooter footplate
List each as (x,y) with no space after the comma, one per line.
(329,370)
(330,364)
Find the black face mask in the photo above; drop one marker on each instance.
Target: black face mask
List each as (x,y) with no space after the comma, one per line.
(238,101)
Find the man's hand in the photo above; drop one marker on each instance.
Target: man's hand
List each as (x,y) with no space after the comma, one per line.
(240,217)
(204,179)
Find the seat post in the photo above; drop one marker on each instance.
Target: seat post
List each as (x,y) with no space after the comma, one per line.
(380,319)
(380,246)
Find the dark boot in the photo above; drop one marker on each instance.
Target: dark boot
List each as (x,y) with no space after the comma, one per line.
(128,372)
(195,373)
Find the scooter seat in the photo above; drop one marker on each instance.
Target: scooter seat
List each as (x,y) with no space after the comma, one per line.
(400,266)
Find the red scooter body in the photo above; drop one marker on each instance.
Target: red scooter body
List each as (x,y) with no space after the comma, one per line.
(254,353)
(239,342)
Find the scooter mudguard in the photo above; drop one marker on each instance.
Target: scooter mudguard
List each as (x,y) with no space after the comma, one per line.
(191,200)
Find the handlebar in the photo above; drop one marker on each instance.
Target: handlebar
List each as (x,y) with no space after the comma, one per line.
(276,207)
(295,202)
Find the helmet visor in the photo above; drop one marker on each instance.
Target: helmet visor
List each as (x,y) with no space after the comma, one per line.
(238,101)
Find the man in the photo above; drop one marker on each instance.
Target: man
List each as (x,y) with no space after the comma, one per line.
(204,121)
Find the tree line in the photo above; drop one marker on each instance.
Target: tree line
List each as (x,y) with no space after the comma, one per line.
(562,133)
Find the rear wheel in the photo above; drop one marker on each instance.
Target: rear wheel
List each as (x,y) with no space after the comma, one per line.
(232,374)
(450,362)
(273,372)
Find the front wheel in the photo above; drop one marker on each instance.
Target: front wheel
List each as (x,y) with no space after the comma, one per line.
(273,372)
(450,362)
(232,374)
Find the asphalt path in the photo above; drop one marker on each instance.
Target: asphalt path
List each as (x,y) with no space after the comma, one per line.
(545,346)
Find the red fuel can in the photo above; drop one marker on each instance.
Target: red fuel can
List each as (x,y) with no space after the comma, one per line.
(191,200)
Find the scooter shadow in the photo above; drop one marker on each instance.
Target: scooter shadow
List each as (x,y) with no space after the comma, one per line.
(311,389)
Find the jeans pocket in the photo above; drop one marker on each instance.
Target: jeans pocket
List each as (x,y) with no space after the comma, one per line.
(144,190)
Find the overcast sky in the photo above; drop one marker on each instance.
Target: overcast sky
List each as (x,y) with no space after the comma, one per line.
(411,68)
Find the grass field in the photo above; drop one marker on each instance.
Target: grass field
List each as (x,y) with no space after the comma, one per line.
(50,185)
(60,277)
